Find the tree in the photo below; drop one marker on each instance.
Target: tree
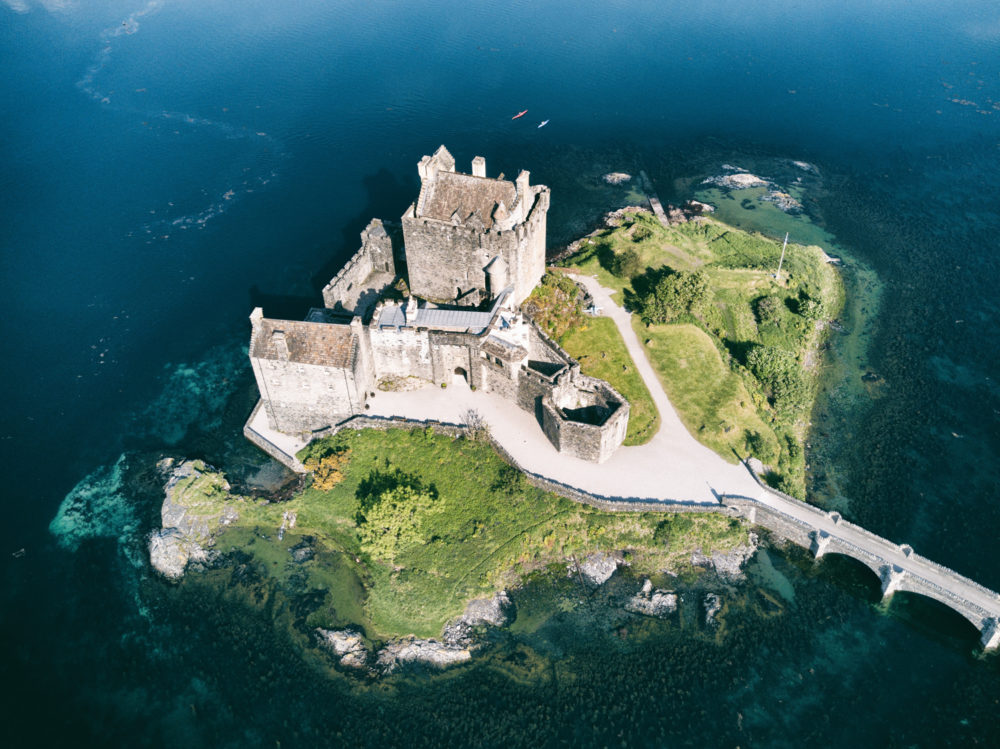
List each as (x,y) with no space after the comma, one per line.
(674,294)
(392,522)
(809,308)
(626,264)
(769,309)
(327,468)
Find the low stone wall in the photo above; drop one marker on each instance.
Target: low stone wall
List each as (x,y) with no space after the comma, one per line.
(269,447)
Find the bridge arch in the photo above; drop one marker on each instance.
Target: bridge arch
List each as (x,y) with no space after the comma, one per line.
(912,586)
(847,564)
(935,617)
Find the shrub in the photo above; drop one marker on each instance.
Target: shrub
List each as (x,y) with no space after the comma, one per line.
(809,308)
(640,233)
(673,295)
(769,309)
(626,264)
(760,447)
(779,372)
(393,521)
(327,469)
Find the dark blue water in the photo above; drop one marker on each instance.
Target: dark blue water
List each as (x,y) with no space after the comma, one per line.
(166,166)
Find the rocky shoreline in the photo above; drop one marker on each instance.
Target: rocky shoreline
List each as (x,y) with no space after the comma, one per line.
(190,516)
(198,504)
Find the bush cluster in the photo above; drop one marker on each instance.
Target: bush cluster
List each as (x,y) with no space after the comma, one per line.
(674,294)
(779,372)
(626,264)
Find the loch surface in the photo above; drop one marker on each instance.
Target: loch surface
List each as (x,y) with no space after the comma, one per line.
(169,165)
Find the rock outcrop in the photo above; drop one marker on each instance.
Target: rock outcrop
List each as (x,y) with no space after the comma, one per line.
(783,201)
(196,505)
(347,645)
(596,569)
(616,178)
(652,602)
(728,564)
(412,650)
(497,611)
(738,181)
(456,645)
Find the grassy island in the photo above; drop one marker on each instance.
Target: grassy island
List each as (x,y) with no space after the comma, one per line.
(735,347)
(404,527)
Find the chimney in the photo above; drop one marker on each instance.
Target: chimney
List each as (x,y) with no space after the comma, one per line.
(523,188)
(479,167)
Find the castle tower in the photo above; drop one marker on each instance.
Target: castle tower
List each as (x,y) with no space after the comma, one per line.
(461,224)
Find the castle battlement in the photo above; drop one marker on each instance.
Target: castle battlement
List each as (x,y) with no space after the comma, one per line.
(467,240)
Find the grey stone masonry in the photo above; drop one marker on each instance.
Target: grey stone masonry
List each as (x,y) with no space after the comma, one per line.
(469,236)
(366,276)
(468,240)
(897,566)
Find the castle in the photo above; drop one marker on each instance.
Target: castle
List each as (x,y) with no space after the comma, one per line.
(436,299)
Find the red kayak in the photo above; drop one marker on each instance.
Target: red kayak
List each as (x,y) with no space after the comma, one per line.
(519,114)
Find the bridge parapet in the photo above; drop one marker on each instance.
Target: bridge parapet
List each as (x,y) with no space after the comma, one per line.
(897,566)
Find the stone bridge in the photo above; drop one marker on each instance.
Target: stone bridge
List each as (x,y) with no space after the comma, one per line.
(897,566)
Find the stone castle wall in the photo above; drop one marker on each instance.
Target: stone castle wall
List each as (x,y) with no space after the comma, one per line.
(527,261)
(348,287)
(305,397)
(401,352)
(446,260)
(592,442)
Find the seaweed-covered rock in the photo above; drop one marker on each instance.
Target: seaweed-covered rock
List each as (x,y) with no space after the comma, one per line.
(347,645)
(652,602)
(713,605)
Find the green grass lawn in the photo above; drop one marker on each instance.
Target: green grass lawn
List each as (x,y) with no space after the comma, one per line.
(710,398)
(702,358)
(599,348)
(487,527)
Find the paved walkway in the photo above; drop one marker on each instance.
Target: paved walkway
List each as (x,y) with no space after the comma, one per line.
(671,466)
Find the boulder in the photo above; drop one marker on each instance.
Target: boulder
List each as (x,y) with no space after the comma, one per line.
(412,650)
(652,602)
(347,645)
(596,569)
(616,178)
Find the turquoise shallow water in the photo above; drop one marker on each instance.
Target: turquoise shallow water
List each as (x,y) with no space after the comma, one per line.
(168,165)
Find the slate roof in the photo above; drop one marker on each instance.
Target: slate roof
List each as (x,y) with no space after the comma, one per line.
(462,320)
(449,192)
(322,344)
(437,319)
